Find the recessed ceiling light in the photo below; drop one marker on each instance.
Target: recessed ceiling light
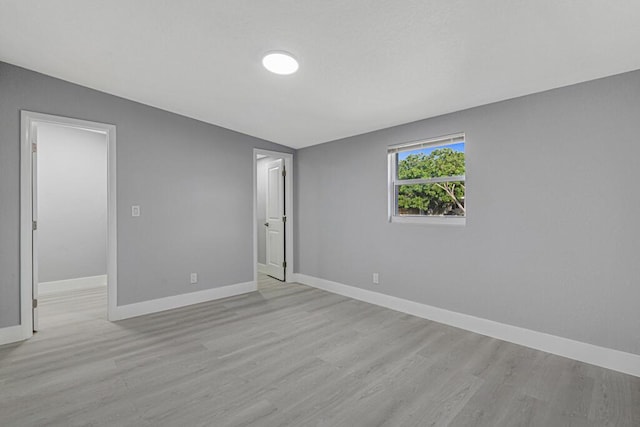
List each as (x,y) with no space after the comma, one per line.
(280,63)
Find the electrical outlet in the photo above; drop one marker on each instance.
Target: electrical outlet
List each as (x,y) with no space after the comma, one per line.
(194,278)
(376,279)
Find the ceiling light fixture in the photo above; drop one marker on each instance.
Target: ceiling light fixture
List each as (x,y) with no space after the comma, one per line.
(280,63)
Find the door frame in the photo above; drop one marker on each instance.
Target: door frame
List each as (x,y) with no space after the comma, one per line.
(288,203)
(29,119)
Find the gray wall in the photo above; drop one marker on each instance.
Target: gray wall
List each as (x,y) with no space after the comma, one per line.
(72,203)
(191,179)
(551,241)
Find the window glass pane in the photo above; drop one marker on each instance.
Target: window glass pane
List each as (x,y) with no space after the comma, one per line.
(439,199)
(431,162)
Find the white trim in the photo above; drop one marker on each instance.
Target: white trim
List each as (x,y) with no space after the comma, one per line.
(434,180)
(262,268)
(182,300)
(78,283)
(289,251)
(617,360)
(432,220)
(11,334)
(427,143)
(27,120)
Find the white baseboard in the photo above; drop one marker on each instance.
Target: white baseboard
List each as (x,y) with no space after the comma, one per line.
(72,284)
(11,334)
(262,268)
(616,360)
(161,304)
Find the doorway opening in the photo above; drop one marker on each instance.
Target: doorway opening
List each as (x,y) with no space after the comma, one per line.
(273,216)
(68,238)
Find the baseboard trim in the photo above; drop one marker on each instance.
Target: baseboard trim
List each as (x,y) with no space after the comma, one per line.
(72,284)
(616,360)
(161,304)
(262,268)
(11,334)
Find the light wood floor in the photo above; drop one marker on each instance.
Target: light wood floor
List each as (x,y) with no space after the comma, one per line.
(291,355)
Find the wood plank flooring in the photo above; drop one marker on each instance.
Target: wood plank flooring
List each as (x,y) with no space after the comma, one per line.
(290,355)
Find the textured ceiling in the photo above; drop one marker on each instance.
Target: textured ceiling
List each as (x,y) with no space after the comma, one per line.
(364,65)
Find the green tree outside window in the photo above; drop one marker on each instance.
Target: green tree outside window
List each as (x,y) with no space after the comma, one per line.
(440,198)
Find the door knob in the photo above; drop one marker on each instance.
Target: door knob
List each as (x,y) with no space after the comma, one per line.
(266,224)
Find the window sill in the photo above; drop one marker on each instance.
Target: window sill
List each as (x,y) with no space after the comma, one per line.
(429,220)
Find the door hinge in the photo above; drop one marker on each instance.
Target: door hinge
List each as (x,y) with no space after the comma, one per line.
(35,303)
(34,225)
(284,218)
(284,264)
(34,147)
(284,172)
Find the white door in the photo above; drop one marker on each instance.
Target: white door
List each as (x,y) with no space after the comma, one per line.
(34,218)
(276,218)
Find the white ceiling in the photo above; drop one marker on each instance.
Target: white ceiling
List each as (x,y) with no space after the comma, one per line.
(364,64)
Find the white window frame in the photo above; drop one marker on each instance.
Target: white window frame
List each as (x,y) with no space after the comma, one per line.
(393,182)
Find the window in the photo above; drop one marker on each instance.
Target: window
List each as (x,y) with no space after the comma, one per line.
(427,181)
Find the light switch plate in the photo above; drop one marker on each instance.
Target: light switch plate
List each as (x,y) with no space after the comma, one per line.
(135,210)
